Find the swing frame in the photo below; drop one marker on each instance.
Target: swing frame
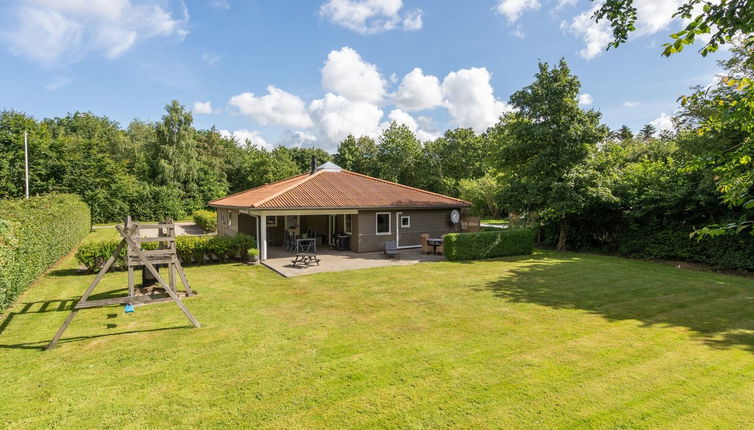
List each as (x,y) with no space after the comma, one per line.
(136,257)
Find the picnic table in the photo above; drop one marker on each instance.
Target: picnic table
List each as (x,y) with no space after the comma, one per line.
(305,258)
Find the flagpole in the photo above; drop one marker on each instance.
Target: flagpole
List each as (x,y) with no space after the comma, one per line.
(26,161)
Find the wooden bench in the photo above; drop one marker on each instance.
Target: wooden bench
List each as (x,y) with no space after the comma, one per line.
(305,258)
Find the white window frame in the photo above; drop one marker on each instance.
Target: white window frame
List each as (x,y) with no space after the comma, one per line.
(274,222)
(350,228)
(230,218)
(389,224)
(408,217)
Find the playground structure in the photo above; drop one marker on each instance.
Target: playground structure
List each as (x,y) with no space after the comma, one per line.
(149,260)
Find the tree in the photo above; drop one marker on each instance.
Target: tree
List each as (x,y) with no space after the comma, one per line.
(724,21)
(484,193)
(398,155)
(347,153)
(458,154)
(647,132)
(624,133)
(175,154)
(725,109)
(545,143)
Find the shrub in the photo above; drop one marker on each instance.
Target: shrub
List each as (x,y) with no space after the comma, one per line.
(35,233)
(190,250)
(488,244)
(206,220)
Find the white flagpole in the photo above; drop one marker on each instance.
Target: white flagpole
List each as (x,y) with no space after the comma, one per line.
(26,161)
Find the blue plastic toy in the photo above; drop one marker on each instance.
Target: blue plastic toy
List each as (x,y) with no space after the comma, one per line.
(129,308)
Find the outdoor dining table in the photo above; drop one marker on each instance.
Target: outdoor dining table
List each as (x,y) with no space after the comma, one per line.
(434,243)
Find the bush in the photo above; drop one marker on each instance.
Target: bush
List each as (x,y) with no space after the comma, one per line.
(206,220)
(488,244)
(35,233)
(190,250)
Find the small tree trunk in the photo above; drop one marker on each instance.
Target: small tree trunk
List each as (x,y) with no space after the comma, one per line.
(562,236)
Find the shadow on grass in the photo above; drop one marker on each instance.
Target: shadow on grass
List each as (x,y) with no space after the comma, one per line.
(717,308)
(40,345)
(67,272)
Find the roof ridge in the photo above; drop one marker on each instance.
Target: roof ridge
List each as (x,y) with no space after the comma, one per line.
(258,187)
(306,178)
(404,186)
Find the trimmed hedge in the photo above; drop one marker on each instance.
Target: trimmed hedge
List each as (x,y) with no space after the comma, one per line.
(35,233)
(488,244)
(190,250)
(206,220)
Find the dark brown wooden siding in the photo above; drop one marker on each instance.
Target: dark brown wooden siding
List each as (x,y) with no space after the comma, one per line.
(435,222)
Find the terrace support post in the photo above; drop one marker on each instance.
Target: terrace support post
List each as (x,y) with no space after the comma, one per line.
(262,237)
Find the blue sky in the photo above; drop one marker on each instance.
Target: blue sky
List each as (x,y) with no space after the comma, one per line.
(308,72)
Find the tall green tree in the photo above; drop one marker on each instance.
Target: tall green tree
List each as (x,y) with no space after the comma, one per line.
(175,155)
(647,132)
(398,155)
(549,139)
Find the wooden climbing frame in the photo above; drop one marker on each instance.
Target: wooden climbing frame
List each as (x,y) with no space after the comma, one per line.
(132,239)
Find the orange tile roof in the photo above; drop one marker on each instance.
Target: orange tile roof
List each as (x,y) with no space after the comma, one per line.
(342,189)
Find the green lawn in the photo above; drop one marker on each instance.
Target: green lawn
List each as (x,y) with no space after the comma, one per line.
(552,340)
(494,221)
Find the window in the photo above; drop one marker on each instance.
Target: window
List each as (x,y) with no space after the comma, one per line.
(383,223)
(222,218)
(272,221)
(405,221)
(230,218)
(347,223)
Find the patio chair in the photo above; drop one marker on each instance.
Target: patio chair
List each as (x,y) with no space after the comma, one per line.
(426,249)
(391,250)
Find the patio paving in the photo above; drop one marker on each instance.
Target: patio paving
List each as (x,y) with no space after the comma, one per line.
(280,261)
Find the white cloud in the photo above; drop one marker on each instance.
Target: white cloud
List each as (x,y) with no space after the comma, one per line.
(348,75)
(220,4)
(513,9)
(415,126)
(630,104)
(418,91)
(59,32)
(202,108)
(296,138)
(585,99)
(519,32)
(663,123)
(596,35)
(336,117)
(401,117)
(470,99)
(278,107)
(246,137)
(58,83)
(210,59)
(652,16)
(371,16)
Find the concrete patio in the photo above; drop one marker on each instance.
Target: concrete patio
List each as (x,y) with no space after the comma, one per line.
(331,260)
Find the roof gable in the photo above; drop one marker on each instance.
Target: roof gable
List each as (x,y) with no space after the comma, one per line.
(336,189)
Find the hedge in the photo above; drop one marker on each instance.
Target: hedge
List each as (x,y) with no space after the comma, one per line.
(488,244)
(35,233)
(206,220)
(190,250)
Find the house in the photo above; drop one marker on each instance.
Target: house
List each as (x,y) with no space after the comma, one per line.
(337,206)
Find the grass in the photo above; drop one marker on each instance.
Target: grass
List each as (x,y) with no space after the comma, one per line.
(552,340)
(494,221)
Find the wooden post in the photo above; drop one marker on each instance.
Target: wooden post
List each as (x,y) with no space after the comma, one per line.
(131,285)
(89,290)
